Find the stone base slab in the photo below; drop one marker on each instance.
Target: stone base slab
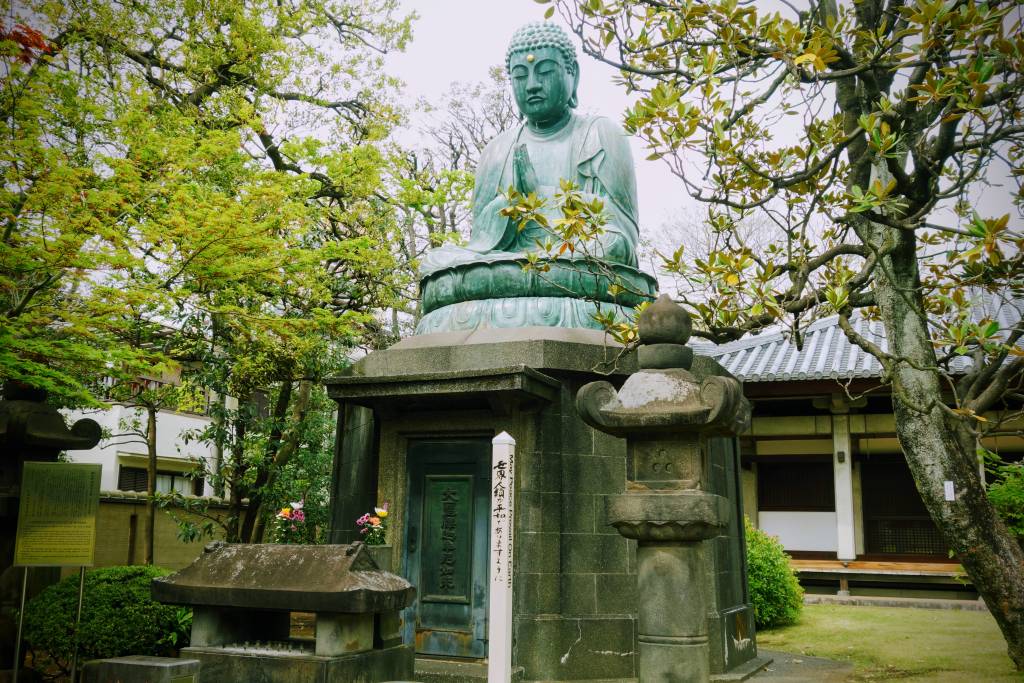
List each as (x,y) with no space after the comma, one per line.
(537,348)
(375,666)
(141,669)
(432,670)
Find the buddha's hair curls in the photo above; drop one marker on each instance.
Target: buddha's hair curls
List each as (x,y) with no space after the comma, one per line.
(536,35)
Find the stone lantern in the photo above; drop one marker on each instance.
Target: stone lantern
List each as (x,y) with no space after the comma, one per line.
(674,413)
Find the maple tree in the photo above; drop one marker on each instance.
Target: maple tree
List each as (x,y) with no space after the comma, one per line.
(193,189)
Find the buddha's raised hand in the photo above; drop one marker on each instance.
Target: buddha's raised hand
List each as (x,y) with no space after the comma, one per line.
(523,174)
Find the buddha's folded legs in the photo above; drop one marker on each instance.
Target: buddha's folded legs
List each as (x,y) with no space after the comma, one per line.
(450,255)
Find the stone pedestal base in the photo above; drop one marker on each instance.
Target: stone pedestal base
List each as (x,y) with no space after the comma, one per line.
(681,660)
(673,637)
(576,603)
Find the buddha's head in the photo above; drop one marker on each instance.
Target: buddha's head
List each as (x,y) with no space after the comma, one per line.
(541,62)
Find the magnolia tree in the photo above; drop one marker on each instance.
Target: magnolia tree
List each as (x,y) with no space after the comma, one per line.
(861,135)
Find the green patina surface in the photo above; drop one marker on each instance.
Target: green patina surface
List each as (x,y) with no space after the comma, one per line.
(552,144)
(519,312)
(507,278)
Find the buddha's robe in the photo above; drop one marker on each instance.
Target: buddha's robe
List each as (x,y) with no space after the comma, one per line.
(592,151)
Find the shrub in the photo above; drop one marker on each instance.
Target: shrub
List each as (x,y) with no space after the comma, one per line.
(774,591)
(118,618)
(1007,495)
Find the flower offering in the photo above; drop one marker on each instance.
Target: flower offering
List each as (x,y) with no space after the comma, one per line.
(373,526)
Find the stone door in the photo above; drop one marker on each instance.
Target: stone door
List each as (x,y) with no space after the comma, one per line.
(446,546)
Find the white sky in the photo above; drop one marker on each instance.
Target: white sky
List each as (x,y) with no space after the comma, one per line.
(459,40)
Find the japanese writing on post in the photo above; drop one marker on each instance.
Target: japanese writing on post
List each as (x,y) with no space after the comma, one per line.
(501,520)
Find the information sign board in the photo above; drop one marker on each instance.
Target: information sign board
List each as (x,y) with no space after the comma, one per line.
(57,515)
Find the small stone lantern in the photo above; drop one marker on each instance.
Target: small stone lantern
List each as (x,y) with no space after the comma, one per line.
(667,413)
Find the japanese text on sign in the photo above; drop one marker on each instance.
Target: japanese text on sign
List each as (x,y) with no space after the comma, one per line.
(501,530)
(57,515)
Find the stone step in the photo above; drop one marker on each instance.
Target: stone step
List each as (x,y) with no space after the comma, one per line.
(893,601)
(435,670)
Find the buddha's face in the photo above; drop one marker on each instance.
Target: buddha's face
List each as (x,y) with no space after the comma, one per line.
(542,85)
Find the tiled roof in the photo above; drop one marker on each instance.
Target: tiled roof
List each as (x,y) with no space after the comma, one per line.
(773,356)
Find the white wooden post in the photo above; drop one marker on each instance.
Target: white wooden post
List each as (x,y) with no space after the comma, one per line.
(499,614)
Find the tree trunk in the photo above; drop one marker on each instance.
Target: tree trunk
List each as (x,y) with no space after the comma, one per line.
(151,412)
(288,445)
(928,436)
(218,444)
(237,470)
(217,329)
(254,516)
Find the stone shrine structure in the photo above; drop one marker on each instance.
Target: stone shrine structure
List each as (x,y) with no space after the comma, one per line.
(681,503)
(503,349)
(415,428)
(242,597)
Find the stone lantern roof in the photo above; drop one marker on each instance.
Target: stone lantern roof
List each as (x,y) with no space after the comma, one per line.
(33,427)
(667,394)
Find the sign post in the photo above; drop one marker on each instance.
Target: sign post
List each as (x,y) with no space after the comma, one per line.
(56,527)
(499,629)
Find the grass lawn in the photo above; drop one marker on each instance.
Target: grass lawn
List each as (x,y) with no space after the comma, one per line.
(899,642)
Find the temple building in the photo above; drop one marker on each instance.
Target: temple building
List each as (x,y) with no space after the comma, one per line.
(822,468)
